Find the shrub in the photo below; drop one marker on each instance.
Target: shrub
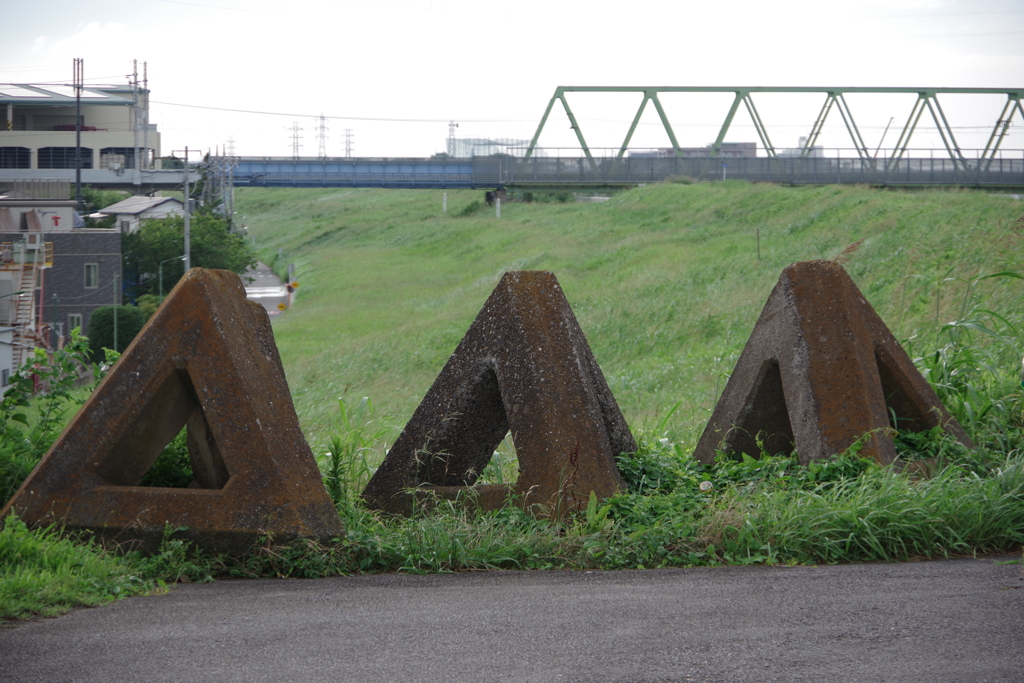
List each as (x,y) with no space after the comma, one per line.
(130,320)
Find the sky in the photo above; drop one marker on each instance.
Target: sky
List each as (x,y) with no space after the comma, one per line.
(395,72)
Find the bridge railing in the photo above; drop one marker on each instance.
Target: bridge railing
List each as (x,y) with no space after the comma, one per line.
(824,167)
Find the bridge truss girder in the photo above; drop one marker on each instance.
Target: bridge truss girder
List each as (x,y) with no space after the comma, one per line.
(927,99)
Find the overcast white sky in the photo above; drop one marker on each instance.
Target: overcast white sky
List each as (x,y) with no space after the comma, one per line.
(493,66)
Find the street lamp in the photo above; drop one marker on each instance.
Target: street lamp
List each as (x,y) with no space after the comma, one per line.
(160,269)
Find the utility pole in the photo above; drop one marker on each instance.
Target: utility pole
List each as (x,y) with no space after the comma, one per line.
(348,143)
(295,140)
(136,178)
(115,312)
(79,80)
(145,116)
(322,137)
(451,137)
(187,216)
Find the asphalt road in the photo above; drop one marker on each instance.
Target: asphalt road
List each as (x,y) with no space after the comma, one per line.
(959,620)
(265,288)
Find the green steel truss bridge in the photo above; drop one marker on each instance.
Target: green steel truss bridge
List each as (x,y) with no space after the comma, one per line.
(585,167)
(927,99)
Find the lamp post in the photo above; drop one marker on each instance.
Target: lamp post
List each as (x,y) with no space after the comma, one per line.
(160,269)
(187,214)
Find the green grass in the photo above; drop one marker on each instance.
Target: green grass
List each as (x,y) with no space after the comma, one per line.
(44,574)
(664,280)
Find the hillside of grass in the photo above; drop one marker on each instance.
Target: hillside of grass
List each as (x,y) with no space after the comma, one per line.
(665,279)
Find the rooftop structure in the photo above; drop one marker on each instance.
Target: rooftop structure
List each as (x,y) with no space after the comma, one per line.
(132,211)
(40,127)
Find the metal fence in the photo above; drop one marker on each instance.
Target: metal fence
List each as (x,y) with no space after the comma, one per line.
(1003,171)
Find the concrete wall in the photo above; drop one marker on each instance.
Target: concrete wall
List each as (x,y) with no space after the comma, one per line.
(54,216)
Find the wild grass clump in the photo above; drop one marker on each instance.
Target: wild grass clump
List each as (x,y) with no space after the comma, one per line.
(43,573)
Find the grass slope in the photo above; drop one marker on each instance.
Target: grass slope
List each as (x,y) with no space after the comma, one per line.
(664,279)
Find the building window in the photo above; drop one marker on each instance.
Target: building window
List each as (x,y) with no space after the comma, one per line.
(126,226)
(75,321)
(63,157)
(15,157)
(5,377)
(92,275)
(117,157)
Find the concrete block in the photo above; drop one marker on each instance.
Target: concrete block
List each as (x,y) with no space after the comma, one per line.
(206,359)
(820,371)
(523,365)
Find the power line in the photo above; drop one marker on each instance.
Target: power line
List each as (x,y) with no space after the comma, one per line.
(341,118)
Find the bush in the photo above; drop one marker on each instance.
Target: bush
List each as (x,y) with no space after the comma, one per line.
(30,424)
(101,329)
(148,303)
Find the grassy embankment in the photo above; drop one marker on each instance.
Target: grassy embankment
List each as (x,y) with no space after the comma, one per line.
(664,280)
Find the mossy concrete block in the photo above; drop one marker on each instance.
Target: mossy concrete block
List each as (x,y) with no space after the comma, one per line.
(820,371)
(206,359)
(525,366)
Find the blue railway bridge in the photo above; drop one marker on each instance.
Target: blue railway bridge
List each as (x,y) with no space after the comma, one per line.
(594,173)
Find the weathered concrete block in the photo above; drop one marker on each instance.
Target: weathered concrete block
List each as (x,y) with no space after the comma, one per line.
(820,371)
(523,365)
(207,359)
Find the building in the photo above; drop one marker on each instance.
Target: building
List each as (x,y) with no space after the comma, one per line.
(53,273)
(465,148)
(130,212)
(40,131)
(816,152)
(120,149)
(729,150)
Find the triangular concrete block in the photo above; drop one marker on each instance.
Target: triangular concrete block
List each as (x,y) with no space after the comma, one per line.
(525,366)
(207,359)
(820,371)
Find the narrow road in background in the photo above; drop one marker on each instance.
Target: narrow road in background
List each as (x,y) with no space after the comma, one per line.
(957,620)
(265,288)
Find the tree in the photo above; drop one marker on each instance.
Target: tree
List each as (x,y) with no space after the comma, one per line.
(160,240)
(101,329)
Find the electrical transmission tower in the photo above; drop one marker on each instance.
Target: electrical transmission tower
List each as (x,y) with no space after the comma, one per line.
(229,147)
(451,137)
(348,143)
(321,135)
(296,145)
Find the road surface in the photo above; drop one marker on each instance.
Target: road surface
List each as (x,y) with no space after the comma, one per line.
(956,621)
(265,289)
